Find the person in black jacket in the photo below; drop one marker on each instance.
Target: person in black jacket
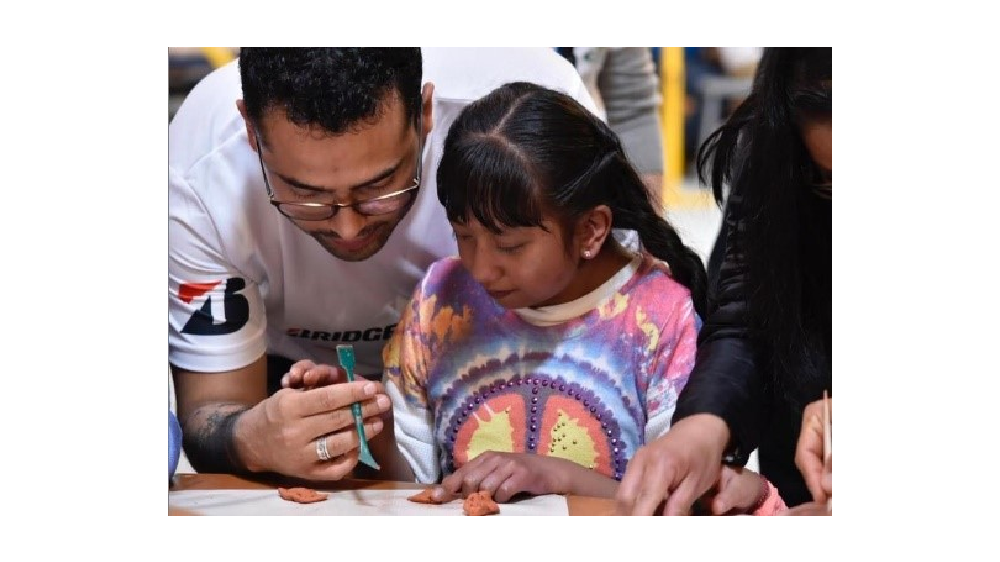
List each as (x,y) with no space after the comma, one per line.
(765,350)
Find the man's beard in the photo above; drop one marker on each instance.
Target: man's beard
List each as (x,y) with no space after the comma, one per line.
(379,234)
(380,231)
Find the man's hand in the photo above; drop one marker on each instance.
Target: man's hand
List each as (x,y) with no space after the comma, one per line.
(279,434)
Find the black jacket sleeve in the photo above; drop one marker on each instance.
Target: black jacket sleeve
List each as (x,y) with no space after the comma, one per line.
(726,380)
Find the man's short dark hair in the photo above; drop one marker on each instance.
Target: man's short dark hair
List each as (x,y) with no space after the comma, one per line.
(336,89)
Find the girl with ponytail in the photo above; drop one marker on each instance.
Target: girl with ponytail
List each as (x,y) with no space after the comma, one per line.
(545,354)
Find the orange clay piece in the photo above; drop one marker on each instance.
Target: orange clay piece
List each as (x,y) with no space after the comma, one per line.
(425,496)
(480,503)
(301,495)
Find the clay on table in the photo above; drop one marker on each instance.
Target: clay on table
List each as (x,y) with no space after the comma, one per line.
(301,495)
(480,503)
(425,496)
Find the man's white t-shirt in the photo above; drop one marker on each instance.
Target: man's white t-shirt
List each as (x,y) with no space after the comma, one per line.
(243,280)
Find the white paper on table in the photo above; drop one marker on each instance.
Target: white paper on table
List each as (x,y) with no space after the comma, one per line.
(344,502)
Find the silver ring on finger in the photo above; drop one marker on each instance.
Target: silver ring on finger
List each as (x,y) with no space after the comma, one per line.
(321,450)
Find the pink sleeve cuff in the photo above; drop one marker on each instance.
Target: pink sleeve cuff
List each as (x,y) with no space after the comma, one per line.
(772,503)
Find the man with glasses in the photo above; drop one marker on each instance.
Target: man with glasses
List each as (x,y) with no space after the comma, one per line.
(302,213)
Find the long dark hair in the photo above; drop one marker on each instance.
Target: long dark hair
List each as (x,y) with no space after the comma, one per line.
(524,149)
(760,152)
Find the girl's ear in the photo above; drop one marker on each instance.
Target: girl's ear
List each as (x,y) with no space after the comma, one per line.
(592,229)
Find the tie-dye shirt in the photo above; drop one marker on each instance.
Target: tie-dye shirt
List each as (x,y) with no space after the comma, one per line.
(466,375)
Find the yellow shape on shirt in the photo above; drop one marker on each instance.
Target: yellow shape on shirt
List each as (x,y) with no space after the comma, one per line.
(447,324)
(493,434)
(613,306)
(648,328)
(571,441)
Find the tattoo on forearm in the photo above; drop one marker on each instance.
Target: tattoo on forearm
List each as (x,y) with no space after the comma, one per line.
(209,440)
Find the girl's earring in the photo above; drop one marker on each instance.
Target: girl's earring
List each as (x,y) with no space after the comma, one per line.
(586,254)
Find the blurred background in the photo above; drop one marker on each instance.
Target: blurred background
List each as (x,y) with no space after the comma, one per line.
(662,101)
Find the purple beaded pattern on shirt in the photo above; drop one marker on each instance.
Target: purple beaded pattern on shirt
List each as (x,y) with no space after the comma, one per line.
(535,390)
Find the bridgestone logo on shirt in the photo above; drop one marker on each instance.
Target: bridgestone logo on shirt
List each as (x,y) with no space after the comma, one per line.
(222,311)
(377,333)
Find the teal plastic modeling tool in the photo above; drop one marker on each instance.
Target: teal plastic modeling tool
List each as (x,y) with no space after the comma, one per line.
(345,353)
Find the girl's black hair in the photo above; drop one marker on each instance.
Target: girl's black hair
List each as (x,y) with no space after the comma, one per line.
(786,244)
(524,149)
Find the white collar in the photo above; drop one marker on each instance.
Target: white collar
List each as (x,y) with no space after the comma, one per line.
(559,313)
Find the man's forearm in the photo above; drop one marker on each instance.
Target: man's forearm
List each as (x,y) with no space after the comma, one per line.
(209,438)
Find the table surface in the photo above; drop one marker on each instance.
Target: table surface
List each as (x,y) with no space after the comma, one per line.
(578,505)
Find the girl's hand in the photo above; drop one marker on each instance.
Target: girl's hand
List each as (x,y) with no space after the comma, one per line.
(738,492)
(505,475)
(306,375)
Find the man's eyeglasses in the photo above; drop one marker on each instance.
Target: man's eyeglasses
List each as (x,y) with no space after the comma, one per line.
(381,205)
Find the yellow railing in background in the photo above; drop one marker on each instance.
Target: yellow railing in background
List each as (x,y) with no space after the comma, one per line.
(672,119)
(218,56)
(672,116)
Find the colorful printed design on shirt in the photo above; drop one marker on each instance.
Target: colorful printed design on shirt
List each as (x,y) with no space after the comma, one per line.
(583,390)
(537,413)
